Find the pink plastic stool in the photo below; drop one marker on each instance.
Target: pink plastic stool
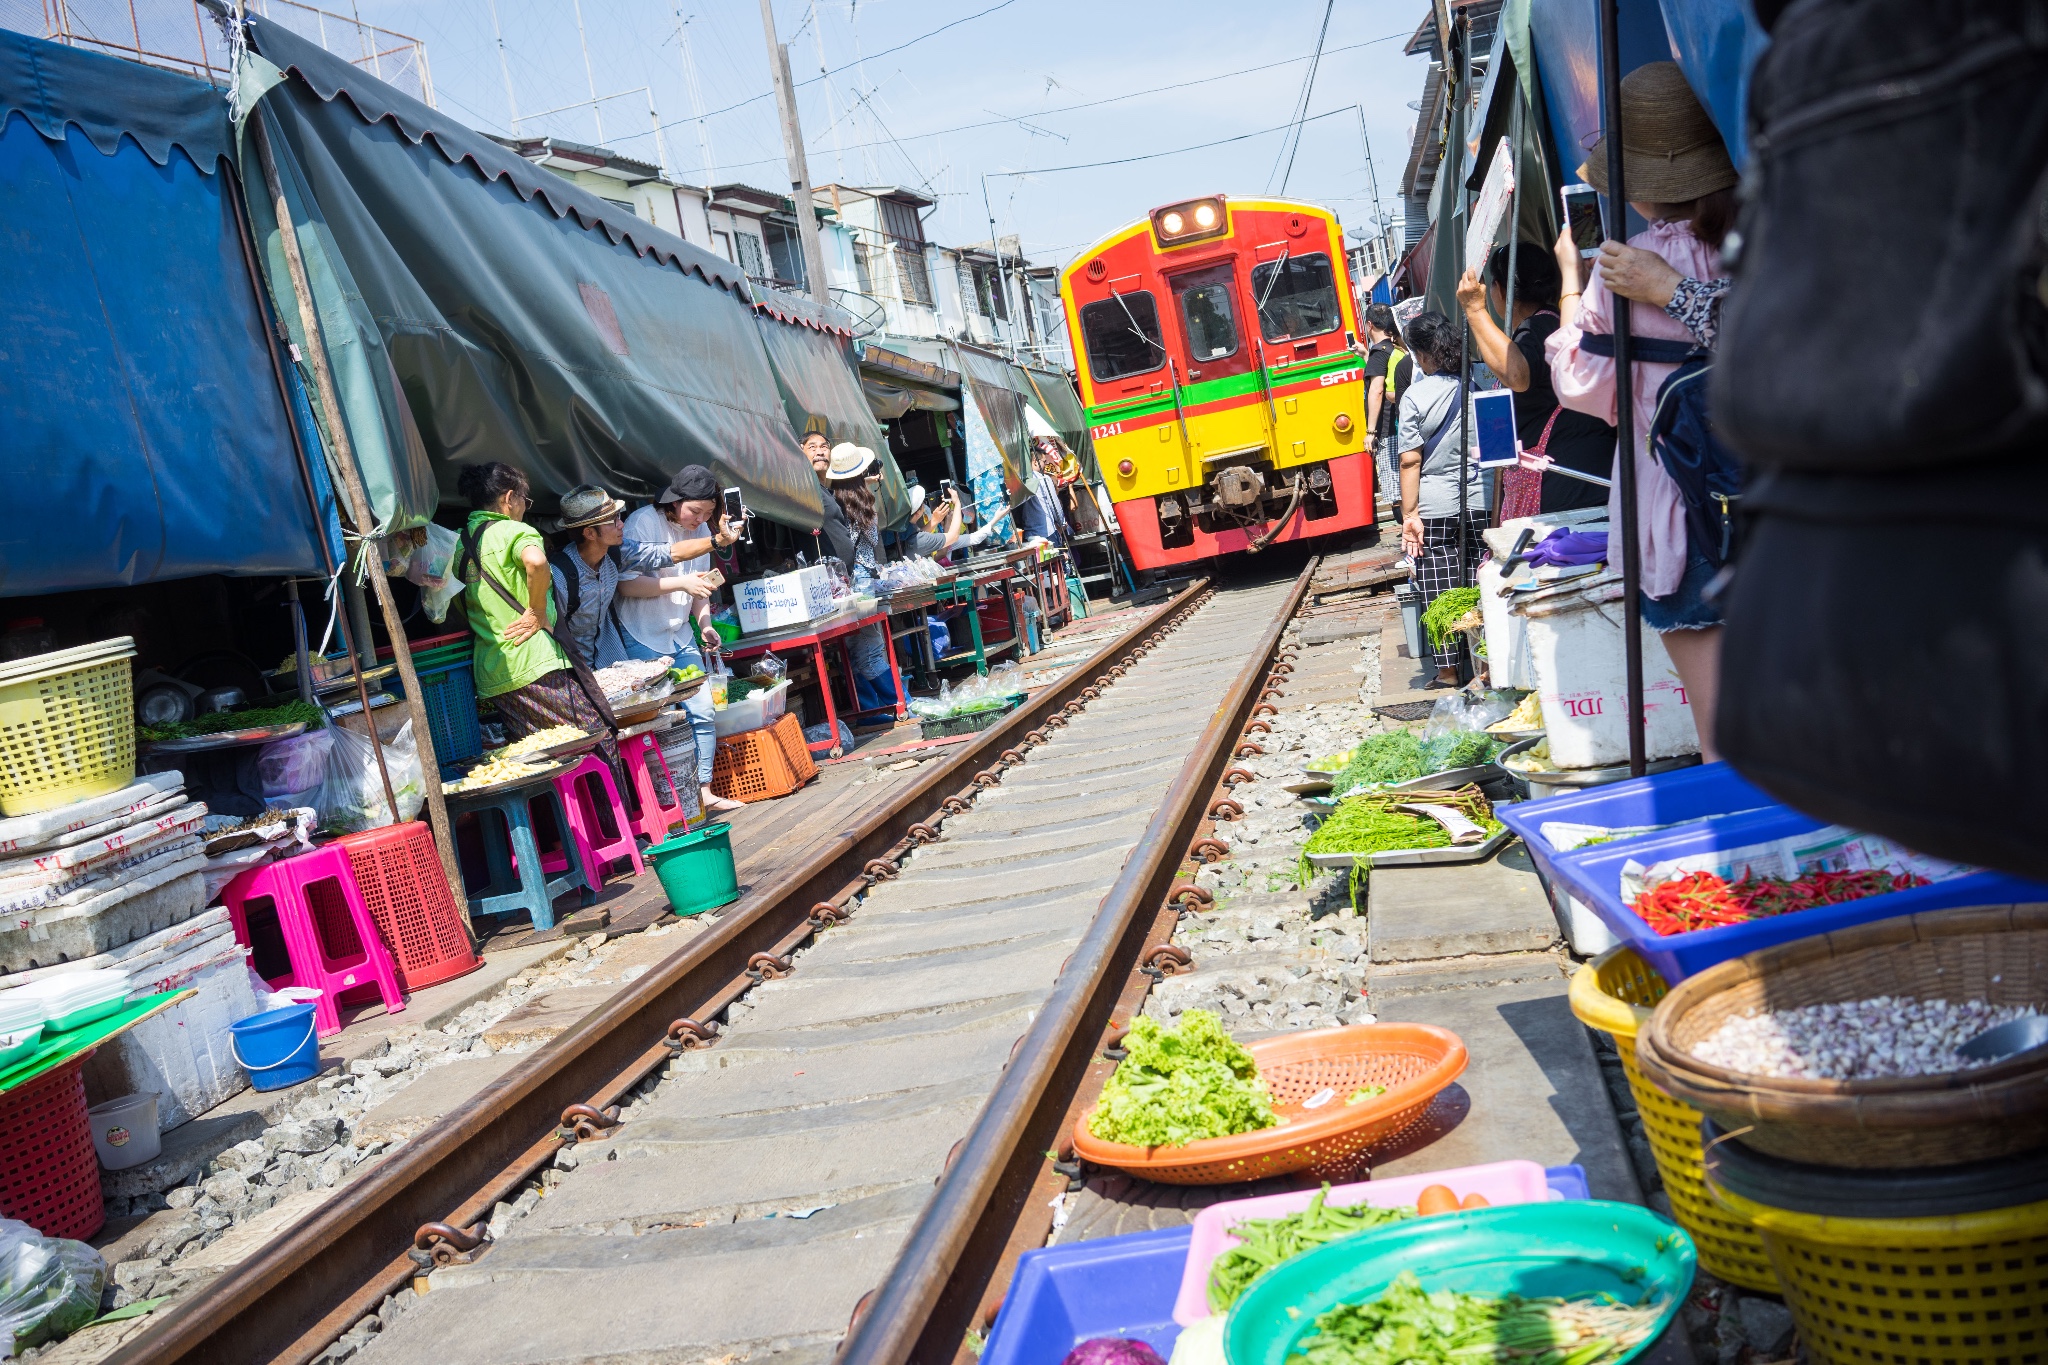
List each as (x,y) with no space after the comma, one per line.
(330,942)
(641,754)
(587,819)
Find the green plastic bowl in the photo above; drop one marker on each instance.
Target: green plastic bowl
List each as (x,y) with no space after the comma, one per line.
(1570,1249)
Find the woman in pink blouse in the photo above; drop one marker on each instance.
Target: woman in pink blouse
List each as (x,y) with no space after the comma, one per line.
(1683,182)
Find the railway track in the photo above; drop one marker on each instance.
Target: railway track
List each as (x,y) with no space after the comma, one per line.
(866,1137)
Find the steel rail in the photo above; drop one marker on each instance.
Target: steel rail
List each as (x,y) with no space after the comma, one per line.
(313,1281)
(924,1308)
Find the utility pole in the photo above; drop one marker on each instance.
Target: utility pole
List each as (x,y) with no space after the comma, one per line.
(793,148)
(1386,250)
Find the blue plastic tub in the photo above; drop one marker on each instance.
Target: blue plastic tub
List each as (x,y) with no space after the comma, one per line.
(1594,876)
(277,1047)
(1117,1287)
(1681,796)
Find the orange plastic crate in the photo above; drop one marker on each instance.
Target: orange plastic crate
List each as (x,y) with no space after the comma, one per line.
(795,748)
(752,767)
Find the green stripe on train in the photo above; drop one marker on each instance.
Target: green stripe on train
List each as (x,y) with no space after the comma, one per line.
(1214,390)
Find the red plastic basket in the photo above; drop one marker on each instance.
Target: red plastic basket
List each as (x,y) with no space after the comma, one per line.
(399,873)
(790,735)
(49,1173)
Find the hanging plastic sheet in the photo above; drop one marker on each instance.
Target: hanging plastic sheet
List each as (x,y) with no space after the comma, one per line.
(818,377)
(1717,42)
(996,394)
(140,409)
(1565,37)
(986,478)
(526,319)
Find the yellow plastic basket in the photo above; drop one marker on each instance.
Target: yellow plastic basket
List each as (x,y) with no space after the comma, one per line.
(67,726)
(1966,1289)
(1614,993)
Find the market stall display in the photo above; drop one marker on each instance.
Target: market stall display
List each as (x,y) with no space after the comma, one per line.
(1404,828)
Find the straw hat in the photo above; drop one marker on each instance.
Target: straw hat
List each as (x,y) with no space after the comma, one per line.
(1671,151)
(587,505)
(849,461)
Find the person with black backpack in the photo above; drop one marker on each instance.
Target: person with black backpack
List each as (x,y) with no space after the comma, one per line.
(591,553)
(1682,182)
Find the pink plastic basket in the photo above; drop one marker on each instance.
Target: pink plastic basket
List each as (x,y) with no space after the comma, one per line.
(1501,1182)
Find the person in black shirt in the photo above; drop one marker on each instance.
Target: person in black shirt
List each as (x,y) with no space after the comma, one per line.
(1574,440)
(1382,397)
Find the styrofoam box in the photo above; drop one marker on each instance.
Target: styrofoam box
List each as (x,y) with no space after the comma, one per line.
(785,599)
(1576,646)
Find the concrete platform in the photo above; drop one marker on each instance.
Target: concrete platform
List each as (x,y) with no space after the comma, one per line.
(1498,906)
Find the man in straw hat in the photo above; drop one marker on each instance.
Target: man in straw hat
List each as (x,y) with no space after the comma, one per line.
(1680,179)
(591,551)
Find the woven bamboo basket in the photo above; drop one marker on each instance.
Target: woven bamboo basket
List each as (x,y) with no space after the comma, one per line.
(1996,953)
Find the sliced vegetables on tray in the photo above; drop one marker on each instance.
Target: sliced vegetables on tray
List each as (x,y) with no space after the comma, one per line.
(1180,1085)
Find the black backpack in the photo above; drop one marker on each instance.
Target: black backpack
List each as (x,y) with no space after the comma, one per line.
(568,561)
(1708,476)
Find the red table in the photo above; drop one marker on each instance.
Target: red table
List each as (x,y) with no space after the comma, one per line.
(815,635)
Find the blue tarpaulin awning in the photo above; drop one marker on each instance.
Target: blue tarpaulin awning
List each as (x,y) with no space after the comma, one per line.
(145,432)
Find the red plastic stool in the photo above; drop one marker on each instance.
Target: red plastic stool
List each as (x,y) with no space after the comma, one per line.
(590,795)
(399,873)
(641,754)
(49,1173)
(330,940)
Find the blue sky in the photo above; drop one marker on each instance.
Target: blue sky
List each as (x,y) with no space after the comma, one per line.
(905,117)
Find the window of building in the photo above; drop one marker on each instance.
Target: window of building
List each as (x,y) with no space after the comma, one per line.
(723,241)
(864,266)
(904,231)
(988,292)
(621,204)
(751,260)
(785,252)
(1297,297)
(1121,335)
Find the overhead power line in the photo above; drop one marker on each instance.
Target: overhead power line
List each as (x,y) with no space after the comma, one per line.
(1199,146)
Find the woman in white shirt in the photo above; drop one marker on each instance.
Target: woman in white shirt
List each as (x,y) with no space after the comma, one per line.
(672,615)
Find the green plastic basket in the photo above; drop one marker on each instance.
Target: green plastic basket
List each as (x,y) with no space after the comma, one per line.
(696,869)
(1573,1249)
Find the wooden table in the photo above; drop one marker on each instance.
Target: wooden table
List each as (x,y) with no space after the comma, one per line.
(814,636)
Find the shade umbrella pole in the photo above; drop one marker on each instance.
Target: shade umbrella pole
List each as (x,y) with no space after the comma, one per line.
(1624,390)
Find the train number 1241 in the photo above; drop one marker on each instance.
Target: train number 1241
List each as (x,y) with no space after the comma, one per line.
(1104,433)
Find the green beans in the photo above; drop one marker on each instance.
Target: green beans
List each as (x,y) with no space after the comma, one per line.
(1265,1242)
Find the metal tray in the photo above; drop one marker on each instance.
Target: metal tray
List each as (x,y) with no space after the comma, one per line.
(541,773)
(226,739)
(1418,857)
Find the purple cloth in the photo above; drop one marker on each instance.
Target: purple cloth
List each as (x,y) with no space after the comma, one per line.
(1564,546)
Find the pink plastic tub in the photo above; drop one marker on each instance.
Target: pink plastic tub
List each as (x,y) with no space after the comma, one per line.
(1501,1182)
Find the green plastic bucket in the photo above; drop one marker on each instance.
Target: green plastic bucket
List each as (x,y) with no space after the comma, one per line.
(696,869)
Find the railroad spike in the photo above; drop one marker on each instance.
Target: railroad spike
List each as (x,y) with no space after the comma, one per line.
(442,1244)
(1266,708)
(1281,667)
(1259,727)
(1233,776)
(1113,1049)
(687,1035)
(922,833)
(585,1124)
(1185,894)
(768,967)
(1013,756)
(1168,959)
(1269,694)
(956,805)
(988,777)
(1223,808)
(1035,736)
(880,870)
(1213,848)
(1248,748)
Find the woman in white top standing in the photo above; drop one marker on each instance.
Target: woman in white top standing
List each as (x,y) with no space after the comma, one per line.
(671,615)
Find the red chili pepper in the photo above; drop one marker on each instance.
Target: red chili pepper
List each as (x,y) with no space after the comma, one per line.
(1703,900)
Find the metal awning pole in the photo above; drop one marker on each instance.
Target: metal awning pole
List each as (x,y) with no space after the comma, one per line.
(1624,389)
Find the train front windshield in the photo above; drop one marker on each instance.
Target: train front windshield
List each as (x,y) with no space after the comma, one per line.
(1297,297)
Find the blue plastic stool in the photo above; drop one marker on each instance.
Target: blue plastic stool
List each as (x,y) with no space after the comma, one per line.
(517,881)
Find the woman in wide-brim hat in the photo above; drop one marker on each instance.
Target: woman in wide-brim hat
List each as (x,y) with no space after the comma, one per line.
(1678,177)
(852,469)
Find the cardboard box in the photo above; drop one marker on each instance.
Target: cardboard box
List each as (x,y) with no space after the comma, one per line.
(781,600)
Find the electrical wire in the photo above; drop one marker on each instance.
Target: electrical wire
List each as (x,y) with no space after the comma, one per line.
(1308,84)
(1199,146)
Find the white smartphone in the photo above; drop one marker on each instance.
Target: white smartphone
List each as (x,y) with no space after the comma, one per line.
(1582,216)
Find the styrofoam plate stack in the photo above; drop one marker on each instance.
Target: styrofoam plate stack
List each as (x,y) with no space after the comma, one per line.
(72,1000)
(21,1025)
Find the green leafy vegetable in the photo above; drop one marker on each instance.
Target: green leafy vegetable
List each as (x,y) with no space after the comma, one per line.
(1179,1085)
(219,722)
(1265,1242)
(1445,611)
(1407,1325)
(1364,1093)
(1398,756)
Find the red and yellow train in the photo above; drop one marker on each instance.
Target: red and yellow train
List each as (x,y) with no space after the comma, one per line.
(1215,343)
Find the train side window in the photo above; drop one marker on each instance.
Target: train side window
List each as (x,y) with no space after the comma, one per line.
(1208,313)
(1121,334)
(1297,297)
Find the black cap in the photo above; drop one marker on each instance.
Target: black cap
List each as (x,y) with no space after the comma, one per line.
(692,483)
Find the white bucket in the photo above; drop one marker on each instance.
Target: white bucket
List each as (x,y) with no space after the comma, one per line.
(124,1131)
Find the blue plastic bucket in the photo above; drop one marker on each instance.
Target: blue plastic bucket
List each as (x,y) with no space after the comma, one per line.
(277,1047)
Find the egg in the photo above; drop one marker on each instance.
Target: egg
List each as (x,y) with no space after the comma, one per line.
(1475,1200)
(1436,1199)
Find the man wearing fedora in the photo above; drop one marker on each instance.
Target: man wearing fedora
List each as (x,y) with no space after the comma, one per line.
(592,552)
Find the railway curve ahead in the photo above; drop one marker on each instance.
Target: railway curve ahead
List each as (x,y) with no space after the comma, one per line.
(908,1017)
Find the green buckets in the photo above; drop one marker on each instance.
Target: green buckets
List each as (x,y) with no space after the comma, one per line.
(696,869)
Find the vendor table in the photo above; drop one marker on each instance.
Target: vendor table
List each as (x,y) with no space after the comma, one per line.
(814,636)
(971,590)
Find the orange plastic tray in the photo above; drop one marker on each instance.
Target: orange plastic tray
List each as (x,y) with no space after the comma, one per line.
(1413,1061)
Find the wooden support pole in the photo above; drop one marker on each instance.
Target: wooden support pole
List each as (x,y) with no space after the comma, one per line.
(360,512)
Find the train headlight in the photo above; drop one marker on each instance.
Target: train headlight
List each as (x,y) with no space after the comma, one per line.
(1194,220)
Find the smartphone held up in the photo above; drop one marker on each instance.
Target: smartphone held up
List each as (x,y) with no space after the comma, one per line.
(1582,217)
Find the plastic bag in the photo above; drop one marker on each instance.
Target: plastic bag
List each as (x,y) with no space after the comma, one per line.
(429,571)
(769,669)
(352,797)
(1467,711)
(290,772)
(49,1286)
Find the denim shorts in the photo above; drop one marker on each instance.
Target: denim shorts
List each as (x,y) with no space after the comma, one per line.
(1686,608)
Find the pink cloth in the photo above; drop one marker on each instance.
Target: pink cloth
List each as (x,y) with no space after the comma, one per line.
(1585,383)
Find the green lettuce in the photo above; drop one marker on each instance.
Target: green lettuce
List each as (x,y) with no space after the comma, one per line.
(1179,1085)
